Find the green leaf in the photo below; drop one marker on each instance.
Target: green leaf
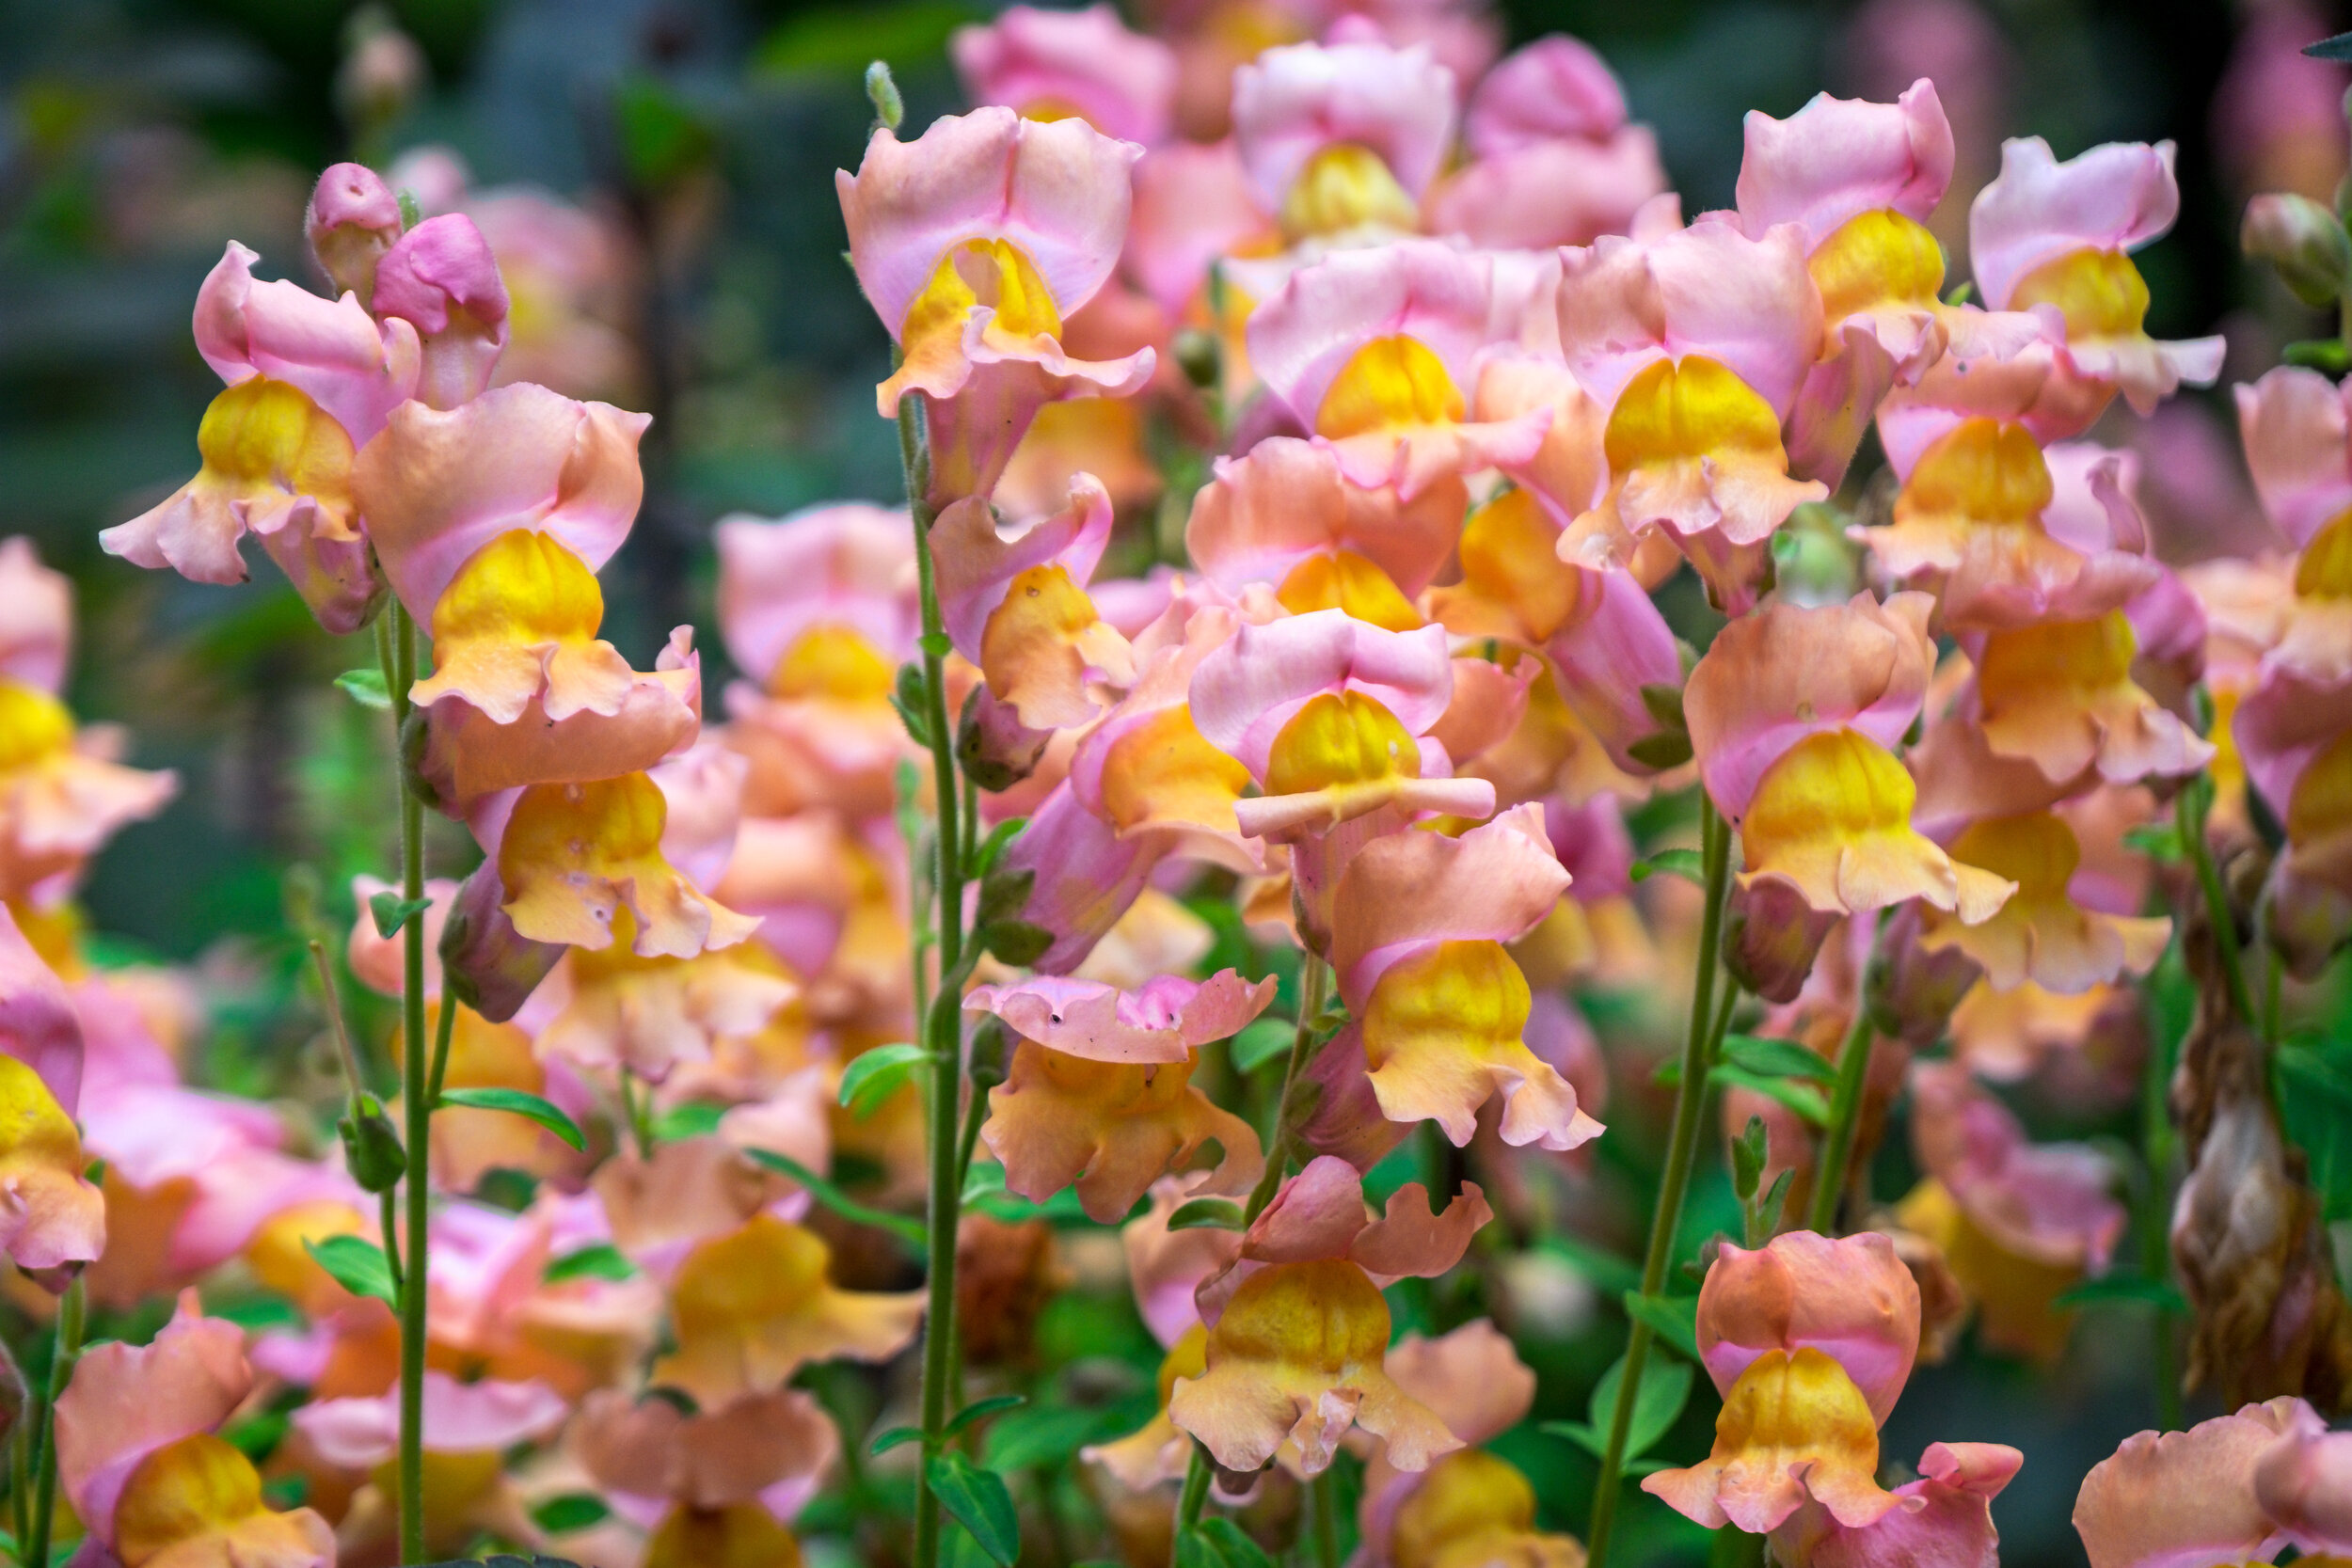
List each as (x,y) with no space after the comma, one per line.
(2159,842)
(1003,895)
(357,1265)
(366,688)
(1960,295)
(602,1260)
(1673,1318)
(1686,863)
(980,1410)
(1041,1436)
(257,1436)
(1664,704)
(1016,942)
(1219,1543)
(393,911)
(908,1231)
(1207,1214)
(695,1119)
(517,1103)
(1772,1058)
(1665,1389)
(910,696)
(1747,1160)
(2318,354)
(1768,1213)
(1265,1040)
(873,1076)
(2123,1288)
(570,1510)
(897,1437)
(935,644)
(2311,1079)
(1803,1099)
(976,1500)
(1661,750)
(992,848)
(2337,49)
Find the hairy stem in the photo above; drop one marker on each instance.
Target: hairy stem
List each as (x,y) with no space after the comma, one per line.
(942,1025)
(1845,1108)
(1314,981)
(2189,810)
(416,1103)
(1196,1492)
(1698,1055)
(71,1313)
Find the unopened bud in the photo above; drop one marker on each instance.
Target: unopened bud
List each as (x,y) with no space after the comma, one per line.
(1771,937)
(882,89)
(486,963)
(442,280)
(1912,991)
(354,219)
(2303,241)
(370,1148)
(996,749)
(1199,356)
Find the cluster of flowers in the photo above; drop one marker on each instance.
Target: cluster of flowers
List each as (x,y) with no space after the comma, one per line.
(1474,391)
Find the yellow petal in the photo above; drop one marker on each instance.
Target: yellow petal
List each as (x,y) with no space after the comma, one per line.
(1389,382)
(1345,186)
(1039,645)
(1443,1033)
(1876,258)
(741,1535)
(573,854)
(197,1503)
(1792,1427)
(1344,580)
(2041,934)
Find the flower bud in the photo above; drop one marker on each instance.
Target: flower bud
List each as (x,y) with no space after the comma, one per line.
(441,279)
(996,749)
(370,1148)
(354,219)
(486,963)
(1910,992)
(2303,240)
(1772,938)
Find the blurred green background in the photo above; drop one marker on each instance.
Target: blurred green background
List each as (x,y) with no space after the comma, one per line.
(694,141)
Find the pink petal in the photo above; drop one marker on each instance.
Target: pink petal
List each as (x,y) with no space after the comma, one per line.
(2116,197)
(1550,192)
(1304,336)
(845,564)
(1496,882)
(1837,158)
(1554,89)
(1293,102)
(2294,423)
(351,366)
(1121,82)
(1246,690)
(1057,191)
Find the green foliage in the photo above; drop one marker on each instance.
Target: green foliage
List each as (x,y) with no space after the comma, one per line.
(1665,1389)
(873,1076)
(517,1103)
(357,1265)
(977,1500)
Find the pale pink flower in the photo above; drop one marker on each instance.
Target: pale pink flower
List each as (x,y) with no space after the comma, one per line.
(1046,64)
(846,566)
(1556,88)
(1296,101)
(1164,1021)
(2186,1499)
(1376,352)
(1193,206)
(2298,444)
(441,279)
(1570,191)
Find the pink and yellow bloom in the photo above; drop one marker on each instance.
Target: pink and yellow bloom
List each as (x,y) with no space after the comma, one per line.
(1697,341)
(1792,713)
(2057,237)
(1440,1008)
(974,244)
(1297,1330)
(1341,138)
(1376,352)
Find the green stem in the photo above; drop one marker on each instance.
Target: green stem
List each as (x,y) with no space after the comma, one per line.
(1196,1490)
(417,1102)
(1327,1520)
(1314,977)
(637,1109)
(2189,816)
(387,1218)
(942,1023)
(21,1469)
(1681,1152)
(2155,1143)
(441,1027)
(70,1317)
(1845,1107)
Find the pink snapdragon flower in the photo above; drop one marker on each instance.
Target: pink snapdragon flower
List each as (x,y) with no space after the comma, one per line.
(1344,136)
(1164,1021)
(1050,64)
(1697,341)
(1556,88)
(441,279)
(975,243)
(1377,352)
(2057,236)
